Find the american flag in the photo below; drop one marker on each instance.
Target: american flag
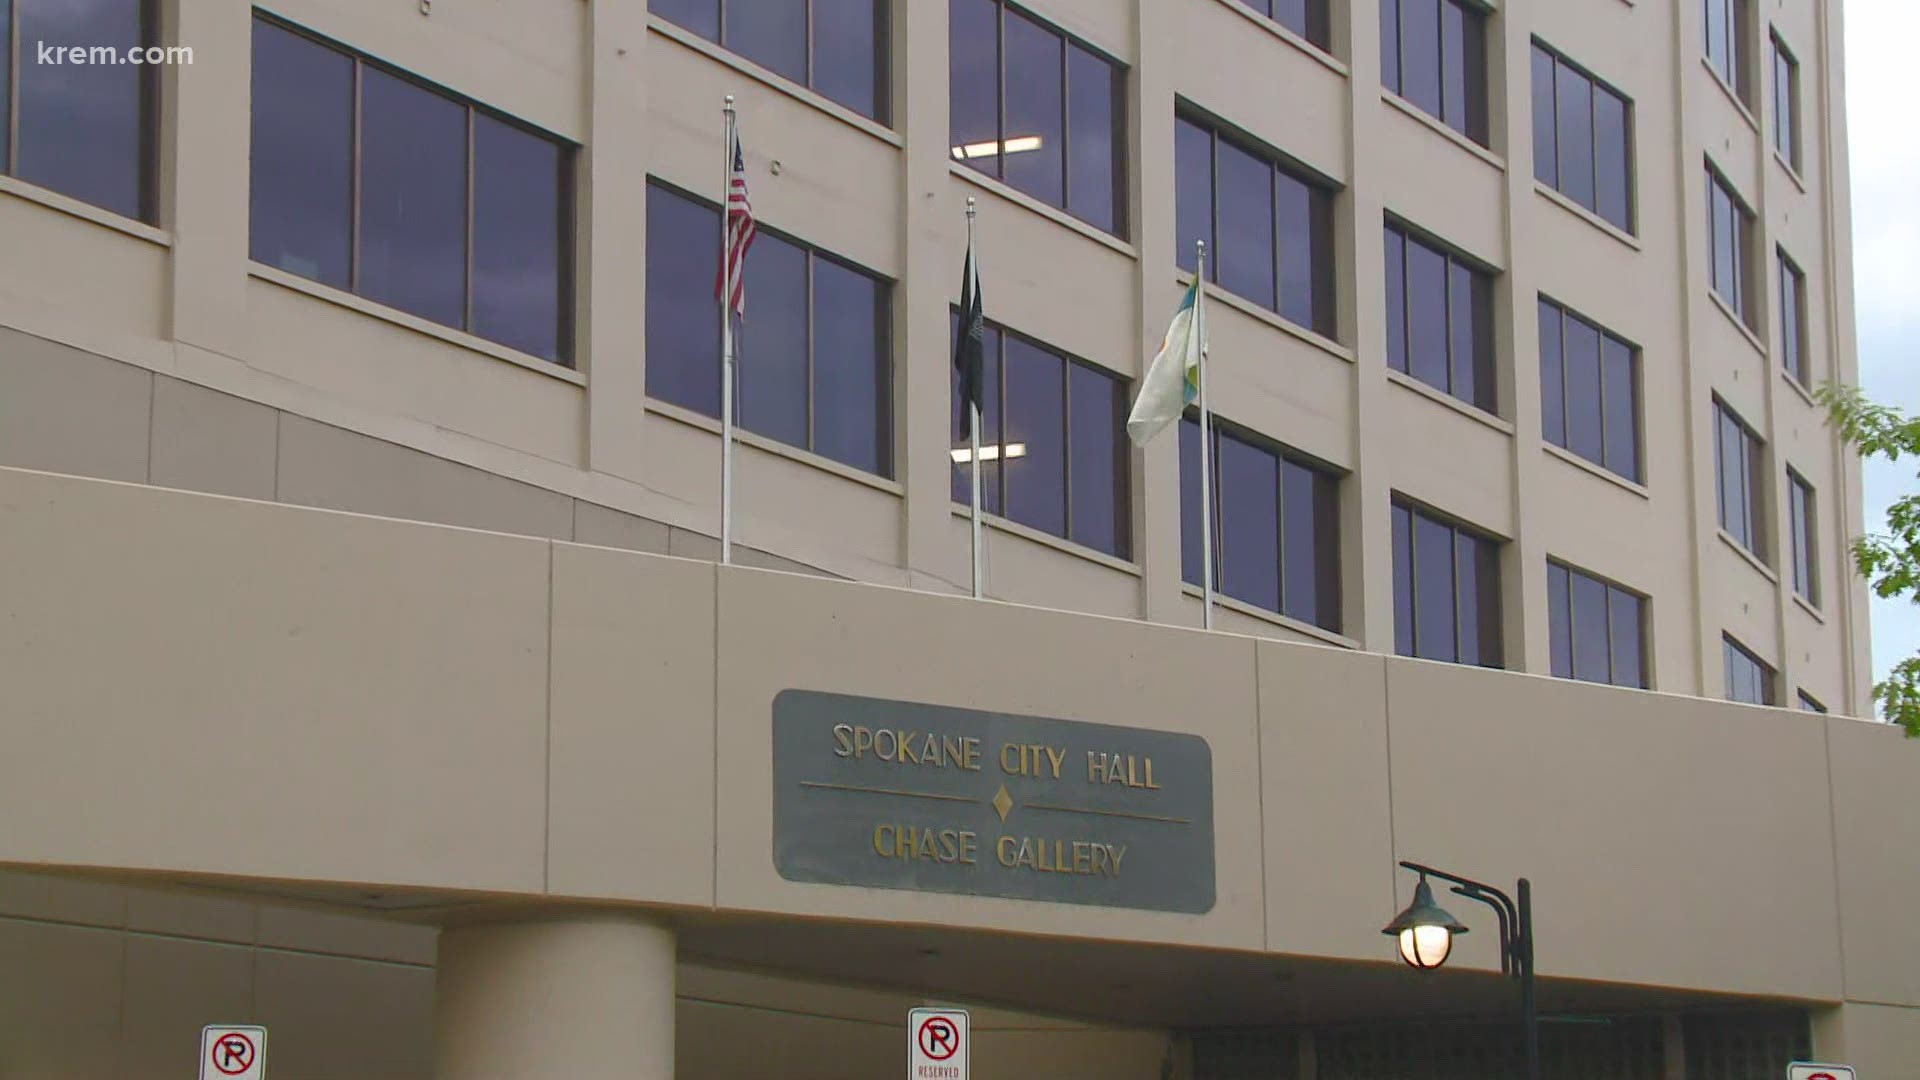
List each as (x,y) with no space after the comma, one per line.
(740,229)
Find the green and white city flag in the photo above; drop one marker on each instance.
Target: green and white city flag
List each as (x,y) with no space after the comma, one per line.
(1173,379)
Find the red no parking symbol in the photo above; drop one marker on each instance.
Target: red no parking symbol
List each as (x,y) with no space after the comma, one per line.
(939,1038)
(233,1053)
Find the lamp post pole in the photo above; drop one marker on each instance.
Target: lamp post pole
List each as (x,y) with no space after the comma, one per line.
(1516,946)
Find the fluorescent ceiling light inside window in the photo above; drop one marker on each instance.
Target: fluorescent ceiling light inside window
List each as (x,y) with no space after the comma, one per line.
(964,456)
(1019,144)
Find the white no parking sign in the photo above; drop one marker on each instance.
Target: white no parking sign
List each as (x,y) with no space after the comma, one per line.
(937,1041)
(233,1052)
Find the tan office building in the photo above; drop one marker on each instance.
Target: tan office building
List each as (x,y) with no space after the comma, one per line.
(369,673)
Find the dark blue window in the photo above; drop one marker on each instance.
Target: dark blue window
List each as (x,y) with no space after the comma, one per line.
(1268,229)
(1730,245)
(771,33)
(1597,629)
(774,401)
(1446,590)
(463,217)
(973,79)
(1793,320)
(84,127)
(1741,480)
(1589,391)
(1277,531)
(1803,531)
(852,390)
(837,47)
(1726,34)
(1786,103)
(1749,679)
(1308,18)
(413,198)
(1433,53)
(302,180)
(1052,457)
(1582,139)
(683,317)
(1244,190)
(1440,319)
(520,227)
(1033,107)
(813,354)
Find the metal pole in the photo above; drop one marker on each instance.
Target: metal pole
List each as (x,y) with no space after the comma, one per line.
(1206,441)
(973,411)
(726,343)
(1529,1006)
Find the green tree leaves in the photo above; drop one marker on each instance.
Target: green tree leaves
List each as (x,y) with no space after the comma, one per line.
(1890,560)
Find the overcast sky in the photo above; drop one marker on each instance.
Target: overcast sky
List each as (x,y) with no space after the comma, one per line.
(1886,235)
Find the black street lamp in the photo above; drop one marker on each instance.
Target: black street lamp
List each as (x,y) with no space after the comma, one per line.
(1425,932)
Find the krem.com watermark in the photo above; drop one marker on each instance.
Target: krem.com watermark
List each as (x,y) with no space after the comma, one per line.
(108,55)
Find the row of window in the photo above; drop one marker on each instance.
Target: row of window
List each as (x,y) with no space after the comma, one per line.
(369,180)
(1052,459)
(1741,484)
(372,181)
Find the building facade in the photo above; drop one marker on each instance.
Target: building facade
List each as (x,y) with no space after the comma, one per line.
(453,264)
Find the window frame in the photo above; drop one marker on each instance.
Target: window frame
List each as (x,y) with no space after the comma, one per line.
(1786,107)
(1332,620)
(1456,529)
(1743,304)
(1803,536)
(1122,215)
(1487,365)
(1641,634)
(1123,480)
(1731,649)
(1326,295)
(1752,537)
(150,110)
(882,59)
(1795,341)
(568,181)
(1637,357)
(1808,703)
(884,393)
(1629,111)
(1479,124)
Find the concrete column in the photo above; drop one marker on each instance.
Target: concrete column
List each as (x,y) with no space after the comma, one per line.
(611,262)
(204,173)
(1366,521)
(1529,644)
(566,999)
(931,251)
(1150,184)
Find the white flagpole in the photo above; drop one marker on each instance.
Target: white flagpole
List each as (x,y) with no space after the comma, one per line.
(726,344)
(973,410)
(1197,327)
